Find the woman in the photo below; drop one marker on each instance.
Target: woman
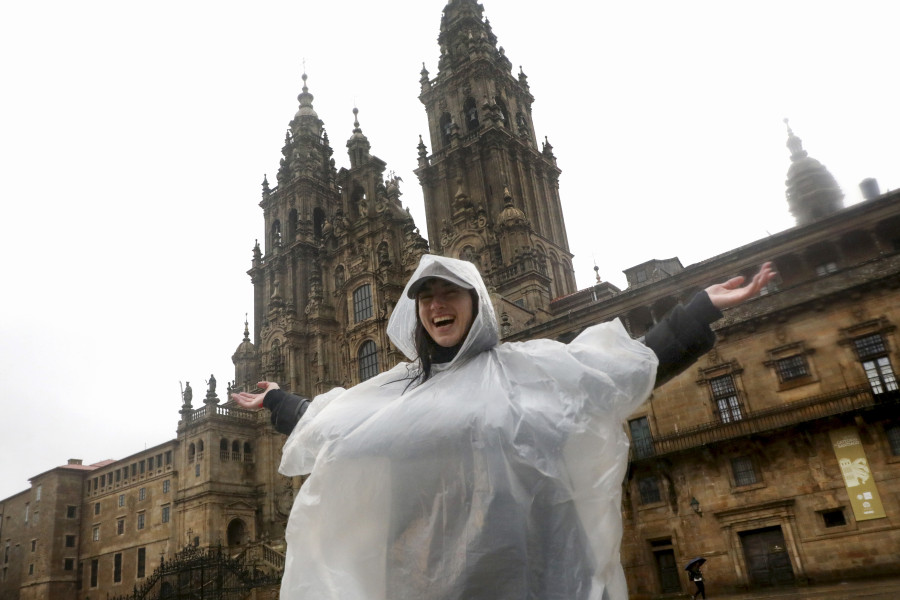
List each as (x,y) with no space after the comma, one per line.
(479,470)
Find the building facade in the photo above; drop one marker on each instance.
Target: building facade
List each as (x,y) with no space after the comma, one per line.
(776,458)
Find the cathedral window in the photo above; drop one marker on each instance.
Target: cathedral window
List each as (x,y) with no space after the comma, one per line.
(362,303)
(223,449)
(368,360)
(873,354)
(446,128)
(292,225)
(318,222)
(191,452)
(248,452)
(275,235)
(502,112)
(236,451)
(726,398)
(471,112)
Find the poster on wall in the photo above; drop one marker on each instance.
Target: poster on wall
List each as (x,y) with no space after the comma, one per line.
(857,474)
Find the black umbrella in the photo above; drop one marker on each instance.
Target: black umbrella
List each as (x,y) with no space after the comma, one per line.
(694,563)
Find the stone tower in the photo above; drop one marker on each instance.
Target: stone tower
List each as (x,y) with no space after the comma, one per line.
(491,195)
(338,250)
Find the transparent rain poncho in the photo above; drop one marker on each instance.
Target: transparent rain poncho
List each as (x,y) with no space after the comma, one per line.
(498,478)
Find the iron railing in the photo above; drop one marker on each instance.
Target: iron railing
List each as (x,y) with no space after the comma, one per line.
(794,413)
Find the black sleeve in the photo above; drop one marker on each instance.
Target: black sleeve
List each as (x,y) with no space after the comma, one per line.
(683,336)
(286,409)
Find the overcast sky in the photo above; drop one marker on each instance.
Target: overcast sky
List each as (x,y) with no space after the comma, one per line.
(134,138)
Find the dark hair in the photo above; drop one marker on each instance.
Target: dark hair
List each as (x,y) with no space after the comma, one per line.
(427,348)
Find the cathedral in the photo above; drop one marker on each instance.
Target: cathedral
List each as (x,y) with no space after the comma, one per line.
(775,459)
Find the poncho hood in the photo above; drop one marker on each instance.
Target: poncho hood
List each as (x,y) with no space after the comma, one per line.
(484,333)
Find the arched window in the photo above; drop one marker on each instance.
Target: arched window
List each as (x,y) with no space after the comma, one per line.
(318,221)
(275,234)
(191,452)
(446,128)
(471,113)
(367,357)
(200,450)
(235,450)
(237,533)
(223,449)
(504,113)
(362,303)
(248,452)
(292,225)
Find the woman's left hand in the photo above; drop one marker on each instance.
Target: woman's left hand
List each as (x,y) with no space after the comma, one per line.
(730,293)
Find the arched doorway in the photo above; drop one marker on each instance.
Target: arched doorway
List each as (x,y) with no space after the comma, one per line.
(237,533)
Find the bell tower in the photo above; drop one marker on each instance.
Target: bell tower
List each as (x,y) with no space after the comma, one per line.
(491,195)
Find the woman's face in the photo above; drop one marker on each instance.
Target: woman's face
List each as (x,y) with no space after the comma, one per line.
(445,310)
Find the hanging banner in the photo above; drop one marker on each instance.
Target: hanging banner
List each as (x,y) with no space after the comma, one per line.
(857,475)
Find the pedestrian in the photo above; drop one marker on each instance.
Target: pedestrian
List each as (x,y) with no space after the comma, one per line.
(478,470)
(697,578)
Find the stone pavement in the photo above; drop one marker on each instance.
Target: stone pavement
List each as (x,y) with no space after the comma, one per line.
(875,589)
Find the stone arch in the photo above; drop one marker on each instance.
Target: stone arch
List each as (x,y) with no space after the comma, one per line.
(236,533)
(470,111)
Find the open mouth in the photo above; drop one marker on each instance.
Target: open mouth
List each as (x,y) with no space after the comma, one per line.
(441,322)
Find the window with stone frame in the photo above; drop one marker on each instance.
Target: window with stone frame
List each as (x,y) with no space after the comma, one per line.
(744,471)
(725,396)
(791,368)
(873,354)
(117,567)
(648,487)
(141,562)
(362,303)
(893,437)
(70,541)
(141,520)
(641,439)
(120,526)
(367,359)
(833,517)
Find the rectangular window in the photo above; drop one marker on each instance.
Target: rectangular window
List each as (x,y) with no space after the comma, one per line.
(103,480)
(95,567)
(649,489)
(826,269)
(95,533)
(118,475)
(196,470)
(31,569)
(166,485)
(33,545)
(791,368)
(142,466)
(96,508)
(71,512)
(642,441)
(141,562)
(159,461)
(165,514)
(834,518)
(133,469)
(117,568)
(69,564)
(121,500)
(168,457)
(37,493)
(70,541)
(872,351)
(120,527)
(893,436)
(362,303)
(725,395)
(142,494)
(140,520)
(744,473)
(27,511)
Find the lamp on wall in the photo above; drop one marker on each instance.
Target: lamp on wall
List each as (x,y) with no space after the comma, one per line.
(695,506)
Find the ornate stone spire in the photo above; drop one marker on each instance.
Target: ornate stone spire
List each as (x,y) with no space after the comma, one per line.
(358,145)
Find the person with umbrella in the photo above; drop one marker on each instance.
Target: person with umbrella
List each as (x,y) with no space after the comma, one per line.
(693,569)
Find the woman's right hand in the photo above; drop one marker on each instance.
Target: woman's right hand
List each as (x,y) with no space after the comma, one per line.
(255,401)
